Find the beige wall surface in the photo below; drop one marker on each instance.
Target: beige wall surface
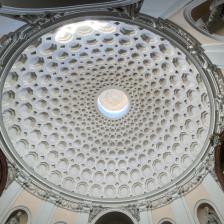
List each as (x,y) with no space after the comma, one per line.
(33,204)
(64,215)
(163,212)
(199,193)
(28,200)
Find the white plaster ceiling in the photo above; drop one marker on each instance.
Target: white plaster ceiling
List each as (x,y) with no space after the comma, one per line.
(162,8)
(8,25)
(50,115)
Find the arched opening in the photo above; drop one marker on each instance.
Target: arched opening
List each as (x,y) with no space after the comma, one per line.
(207,214)
(219,160)
(3,172)
(114,218)
(207,16)
(166,221)
(210,15)
(18,216)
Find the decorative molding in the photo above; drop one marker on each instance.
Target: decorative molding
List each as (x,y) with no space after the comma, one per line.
(94,212)
(134,211)
(191,179)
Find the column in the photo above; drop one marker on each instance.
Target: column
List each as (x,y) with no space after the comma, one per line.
(83,215)
(215,192)
(45,213)
(182,212)
(8,197)
(145,215)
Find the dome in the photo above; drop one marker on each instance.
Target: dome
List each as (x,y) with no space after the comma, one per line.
(106,110)
(111,112)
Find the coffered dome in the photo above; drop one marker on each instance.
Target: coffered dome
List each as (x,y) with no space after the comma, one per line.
(106,111)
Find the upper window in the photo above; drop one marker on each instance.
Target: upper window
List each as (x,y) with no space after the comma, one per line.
(207,214)
(18,216)
(207,17)
(219,160)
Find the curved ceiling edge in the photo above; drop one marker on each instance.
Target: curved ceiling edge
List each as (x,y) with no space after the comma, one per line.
(46,7)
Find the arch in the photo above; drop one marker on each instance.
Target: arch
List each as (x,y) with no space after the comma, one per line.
(199,211)
(198,9)
(101,214)
(60,222)
(3,172)
(114,217)
(219,160)
(26,219)
(166,221)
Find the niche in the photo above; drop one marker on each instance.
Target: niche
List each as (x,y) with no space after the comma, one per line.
(206,16)
(17,217)
(166,221)
(207,214)
(3,172)
(219,160)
